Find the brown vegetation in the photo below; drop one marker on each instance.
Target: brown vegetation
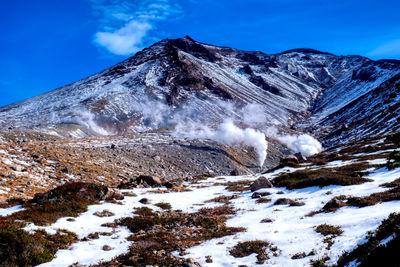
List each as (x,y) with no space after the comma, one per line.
(345,175)
(244,249)
(157,234)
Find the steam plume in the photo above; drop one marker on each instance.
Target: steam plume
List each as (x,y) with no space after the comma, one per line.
(305,144)
(227,133)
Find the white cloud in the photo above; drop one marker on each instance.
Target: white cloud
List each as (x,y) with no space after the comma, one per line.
(125,25)
(125,40)
(389,49)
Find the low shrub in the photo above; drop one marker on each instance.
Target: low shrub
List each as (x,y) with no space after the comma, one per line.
(19,248)
(244,249)
(163,205)
(345,175)
(327,229)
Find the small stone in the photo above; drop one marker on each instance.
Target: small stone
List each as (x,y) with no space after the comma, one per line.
(287,201)
(104,213)
(107,248)
(145,201)
(209,259)
(267,220)
(260,194)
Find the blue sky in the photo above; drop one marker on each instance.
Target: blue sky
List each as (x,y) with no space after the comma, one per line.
(46,44)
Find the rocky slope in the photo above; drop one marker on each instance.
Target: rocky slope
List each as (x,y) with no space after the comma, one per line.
(334,204)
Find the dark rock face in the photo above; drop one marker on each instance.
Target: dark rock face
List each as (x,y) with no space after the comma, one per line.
(364,75)
(260,183)
(258,80)
(188,45)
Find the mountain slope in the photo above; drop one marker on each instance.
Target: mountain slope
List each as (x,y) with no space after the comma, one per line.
(184,80)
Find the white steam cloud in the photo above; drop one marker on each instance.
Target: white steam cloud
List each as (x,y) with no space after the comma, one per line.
(81,117)
(254,115)
(227,133)
(87,119)
(305,144)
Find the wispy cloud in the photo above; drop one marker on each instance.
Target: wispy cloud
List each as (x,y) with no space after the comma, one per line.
(124,25)
(388,49)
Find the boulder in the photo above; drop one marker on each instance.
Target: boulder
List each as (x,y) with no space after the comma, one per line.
(333,204)
(169,185)
(289,160)
(287,201)
(235,172)
(145,201)
(150,180)
(261,182)
(113,194)
(300,157)
(127,184)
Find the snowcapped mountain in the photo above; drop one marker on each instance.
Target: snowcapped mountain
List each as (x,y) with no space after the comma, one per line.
(184,80)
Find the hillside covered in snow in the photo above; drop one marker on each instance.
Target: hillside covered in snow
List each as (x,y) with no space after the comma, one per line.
(340,205)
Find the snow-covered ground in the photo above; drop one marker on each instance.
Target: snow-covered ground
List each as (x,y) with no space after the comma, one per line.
(290,229)
(11,210)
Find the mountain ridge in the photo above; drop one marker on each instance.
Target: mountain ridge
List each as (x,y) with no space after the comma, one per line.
(183,78)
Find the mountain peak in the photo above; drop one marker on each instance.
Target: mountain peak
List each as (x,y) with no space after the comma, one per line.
(305,51)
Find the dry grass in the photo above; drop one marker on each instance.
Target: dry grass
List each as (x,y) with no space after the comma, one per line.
(330,232)
(222,199)
(262,200)
(238,186)
(389,195)
(244,249)
(326,229)
(345,175)
(157,234)
(163,205)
